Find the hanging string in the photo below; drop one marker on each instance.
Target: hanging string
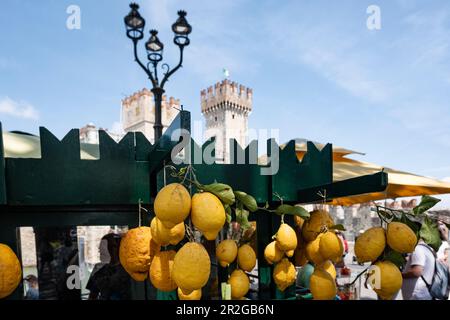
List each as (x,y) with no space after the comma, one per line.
(323,195)
(139,212)
(164,173)
(140,209)
(190,226)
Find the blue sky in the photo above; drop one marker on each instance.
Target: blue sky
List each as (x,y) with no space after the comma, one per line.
(316,70)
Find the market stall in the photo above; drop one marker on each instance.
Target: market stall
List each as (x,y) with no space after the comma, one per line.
(60,189)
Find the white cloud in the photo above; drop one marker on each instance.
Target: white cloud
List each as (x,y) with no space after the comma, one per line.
(346,73)
(18,109)
(338,56)
(447,179)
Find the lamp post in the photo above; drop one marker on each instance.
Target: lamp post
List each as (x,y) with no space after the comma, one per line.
(135,31)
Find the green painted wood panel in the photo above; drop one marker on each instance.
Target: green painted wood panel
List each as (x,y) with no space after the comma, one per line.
(315,169)
(121,176)
(366,184)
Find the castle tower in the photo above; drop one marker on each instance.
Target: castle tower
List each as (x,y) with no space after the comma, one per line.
(226,107)
(138,113)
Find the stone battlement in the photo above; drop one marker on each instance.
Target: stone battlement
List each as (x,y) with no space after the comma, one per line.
(139,95)
(226,94)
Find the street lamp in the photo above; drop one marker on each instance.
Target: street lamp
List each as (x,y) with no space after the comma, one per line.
(135,31)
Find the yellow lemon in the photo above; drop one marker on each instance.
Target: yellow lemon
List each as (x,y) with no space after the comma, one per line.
(194,295)
(208,214)
(226,252)
(370,245)
(272,253)
(299,221)
(318,220)
(246,258)
(300,258)
(284,274)
(240,284)
(331,247)
(289,253)
(10,271)
(322,285)
(400,237)
(172,204)
(160,233)
(386,279)
(313,251)
(286,238)
(136,252)
(161,269)
(191,267)
(177,233)
(328,266)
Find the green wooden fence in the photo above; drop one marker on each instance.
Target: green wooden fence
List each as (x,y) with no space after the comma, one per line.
(62,189)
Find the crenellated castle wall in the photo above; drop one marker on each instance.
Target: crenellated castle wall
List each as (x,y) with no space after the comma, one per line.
(226,94)
(138,112)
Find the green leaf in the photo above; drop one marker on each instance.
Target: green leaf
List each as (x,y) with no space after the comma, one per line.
(410,223)
(301,212)
(182,171)
(429,233)
(425,204)
(248,201)
(284,209)
(395,257)
(228,213)
(339,227)
(239,194)
(292,210)
(242,218)
(223,191)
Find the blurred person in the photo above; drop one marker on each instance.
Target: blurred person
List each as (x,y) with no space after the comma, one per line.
(110,282)
(341,236)
(420,267)
(441,254)
(31,283)
(419,271)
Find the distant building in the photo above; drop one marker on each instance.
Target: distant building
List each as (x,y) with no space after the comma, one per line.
(226,108)
(89,134)
(138,113)
(360,217)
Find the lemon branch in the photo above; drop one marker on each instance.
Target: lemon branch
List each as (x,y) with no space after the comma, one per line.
(359,275)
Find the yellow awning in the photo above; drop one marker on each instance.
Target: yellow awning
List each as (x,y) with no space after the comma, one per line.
(18,145)
(400,183)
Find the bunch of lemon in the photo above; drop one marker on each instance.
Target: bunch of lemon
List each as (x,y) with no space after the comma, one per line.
(278,251)
(227,252)
(188,269)
(385,276)
(319,245)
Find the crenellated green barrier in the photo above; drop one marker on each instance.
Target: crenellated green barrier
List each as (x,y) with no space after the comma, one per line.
(61,189)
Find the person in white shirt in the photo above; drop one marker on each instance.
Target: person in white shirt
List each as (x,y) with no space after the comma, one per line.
(445,246)
(420,264)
